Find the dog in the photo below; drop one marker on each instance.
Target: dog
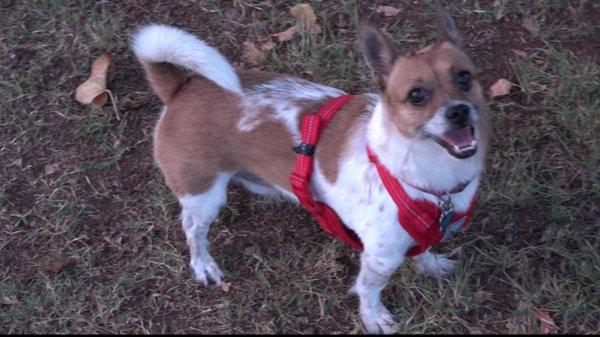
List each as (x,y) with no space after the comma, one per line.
(427,127)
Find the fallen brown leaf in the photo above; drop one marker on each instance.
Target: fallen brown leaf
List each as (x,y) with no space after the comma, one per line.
(500,88)
(519,52)
(547,324)
(93,90)
(136,102)
(225,286)
(267,46)
(387,10)
(306,17)
(252,55)
(341,22)
(10,300)
(17,162)
(51,168)
(58,265)
(287,34)
(531,25)
(483,295)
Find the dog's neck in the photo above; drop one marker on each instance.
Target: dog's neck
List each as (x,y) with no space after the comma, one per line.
(418,161)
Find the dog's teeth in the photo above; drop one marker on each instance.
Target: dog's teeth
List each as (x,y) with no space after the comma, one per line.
(456,149)
(473,143)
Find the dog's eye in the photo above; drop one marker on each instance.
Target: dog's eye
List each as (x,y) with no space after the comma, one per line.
(417,96)
(463,80)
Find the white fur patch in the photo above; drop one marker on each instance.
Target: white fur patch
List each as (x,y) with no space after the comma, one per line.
(439,124)
(263,188)
(161,43)
(437,265)
(197,214)
(280,97)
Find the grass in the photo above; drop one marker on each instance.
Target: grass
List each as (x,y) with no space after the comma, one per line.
(106,215)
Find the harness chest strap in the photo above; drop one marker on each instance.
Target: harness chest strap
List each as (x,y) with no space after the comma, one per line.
(419,218)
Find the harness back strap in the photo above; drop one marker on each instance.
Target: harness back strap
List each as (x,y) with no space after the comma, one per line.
(312,125)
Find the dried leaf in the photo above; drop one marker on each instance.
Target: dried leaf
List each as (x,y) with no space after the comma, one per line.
(387,10)
(498,9)
(17,162)
(93,90)
(252,55)
(267,46)
(136,102)
(56,266)
(306,17)
(117,143)
(225,286)
(287,34)
(51,168)
(547,324)
(10,300)
(500,88)
(483,295)
(475,330)
(531,25)
(341,22)
(519,53)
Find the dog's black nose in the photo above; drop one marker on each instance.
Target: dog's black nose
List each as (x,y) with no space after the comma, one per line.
(458,114)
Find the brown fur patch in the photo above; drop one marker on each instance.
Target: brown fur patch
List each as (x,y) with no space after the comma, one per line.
(165,79)
(432,69)
(198,137)
(334,141)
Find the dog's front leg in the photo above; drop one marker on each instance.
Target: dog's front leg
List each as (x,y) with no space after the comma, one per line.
(376,267)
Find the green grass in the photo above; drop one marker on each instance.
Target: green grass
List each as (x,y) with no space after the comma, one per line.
(534,243)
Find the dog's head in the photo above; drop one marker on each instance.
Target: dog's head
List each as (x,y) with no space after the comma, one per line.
(433,94)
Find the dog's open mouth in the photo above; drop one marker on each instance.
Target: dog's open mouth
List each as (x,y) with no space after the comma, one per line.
(460,143)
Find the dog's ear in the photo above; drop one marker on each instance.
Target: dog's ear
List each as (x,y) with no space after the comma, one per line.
(447,27)
(378,52)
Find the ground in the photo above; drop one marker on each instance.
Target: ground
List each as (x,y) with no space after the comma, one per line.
(89,234)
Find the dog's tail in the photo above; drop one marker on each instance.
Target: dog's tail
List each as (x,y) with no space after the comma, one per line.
(163,49)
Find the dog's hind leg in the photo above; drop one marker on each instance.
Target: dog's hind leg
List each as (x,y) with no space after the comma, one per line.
(198,212)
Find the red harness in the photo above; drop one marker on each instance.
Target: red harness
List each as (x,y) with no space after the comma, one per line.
(426,222)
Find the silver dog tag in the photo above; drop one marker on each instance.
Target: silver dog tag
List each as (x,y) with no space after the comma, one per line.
(447,212)
(453,229)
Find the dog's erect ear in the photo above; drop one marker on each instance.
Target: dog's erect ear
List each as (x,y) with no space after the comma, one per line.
(447,27)
(378,52)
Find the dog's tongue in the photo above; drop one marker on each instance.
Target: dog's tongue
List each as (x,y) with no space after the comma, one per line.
(459,137)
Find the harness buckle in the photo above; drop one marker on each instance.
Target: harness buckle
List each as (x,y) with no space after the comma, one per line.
(305,149)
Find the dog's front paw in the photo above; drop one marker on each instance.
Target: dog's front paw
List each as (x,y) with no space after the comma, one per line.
(206,270)
(378,320)
(436,265)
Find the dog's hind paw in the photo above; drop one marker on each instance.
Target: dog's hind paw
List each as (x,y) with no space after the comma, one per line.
(436,265)
(206,271)
(378,320)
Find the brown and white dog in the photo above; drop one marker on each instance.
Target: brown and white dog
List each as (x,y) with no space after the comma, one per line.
(428,125)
